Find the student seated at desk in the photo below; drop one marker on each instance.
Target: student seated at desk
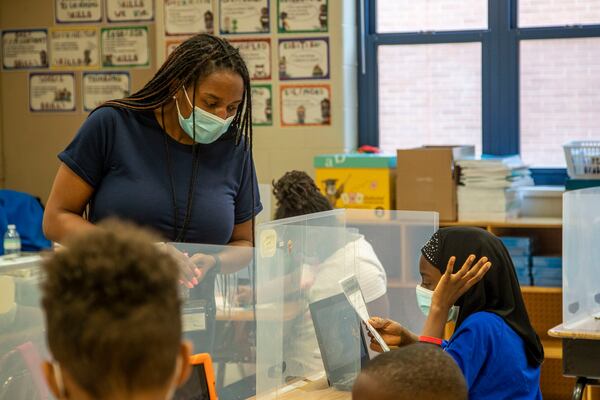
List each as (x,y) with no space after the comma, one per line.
(113,318)
(416,372)
(493,343)
(297,194)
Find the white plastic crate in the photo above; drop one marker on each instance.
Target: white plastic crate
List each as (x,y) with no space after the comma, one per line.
(583,159)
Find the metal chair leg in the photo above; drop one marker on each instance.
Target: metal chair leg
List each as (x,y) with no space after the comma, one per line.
(579,388)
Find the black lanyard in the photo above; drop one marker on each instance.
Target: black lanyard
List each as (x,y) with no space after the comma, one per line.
(179,234)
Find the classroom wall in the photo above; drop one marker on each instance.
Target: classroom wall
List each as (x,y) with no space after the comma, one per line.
(32,141)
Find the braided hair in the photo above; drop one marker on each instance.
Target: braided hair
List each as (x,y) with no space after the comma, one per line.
(297,194)
(189,63)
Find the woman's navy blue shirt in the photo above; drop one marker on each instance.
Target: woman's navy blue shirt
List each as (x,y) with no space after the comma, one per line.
(121,154)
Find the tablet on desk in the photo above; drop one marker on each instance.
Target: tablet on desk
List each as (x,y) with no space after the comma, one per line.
(341,340)
(201,384)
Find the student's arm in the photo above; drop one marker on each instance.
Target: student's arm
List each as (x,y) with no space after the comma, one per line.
(68,198)
(468,348)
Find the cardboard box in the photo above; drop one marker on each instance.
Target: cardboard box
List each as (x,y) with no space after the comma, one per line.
(426,179)
(363,181)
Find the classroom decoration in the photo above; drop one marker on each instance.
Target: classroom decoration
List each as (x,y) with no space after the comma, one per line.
(129,10)
(99,87)
(244,16)
(262,105)
(125,46)
(52,91)
(27,48)
(257,55)
(305,105)
(304,58)
(302,16)
(69,11)
(188,17)
(74,48)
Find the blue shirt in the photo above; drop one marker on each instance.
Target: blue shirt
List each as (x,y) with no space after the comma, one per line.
(493,360)
(121,154)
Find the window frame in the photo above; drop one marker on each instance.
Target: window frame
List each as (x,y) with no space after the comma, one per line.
(500,91)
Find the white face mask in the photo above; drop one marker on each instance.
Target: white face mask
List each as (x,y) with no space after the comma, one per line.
(62,393)
(209,127)
(424,297)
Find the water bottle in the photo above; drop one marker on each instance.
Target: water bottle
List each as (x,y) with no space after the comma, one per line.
(12,241)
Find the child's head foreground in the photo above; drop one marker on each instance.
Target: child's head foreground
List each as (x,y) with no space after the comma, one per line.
(416,372)
(113,317)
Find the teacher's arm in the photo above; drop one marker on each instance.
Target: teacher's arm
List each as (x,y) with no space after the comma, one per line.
(68,198)
(236,257)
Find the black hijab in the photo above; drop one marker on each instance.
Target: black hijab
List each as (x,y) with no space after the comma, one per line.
(498,292)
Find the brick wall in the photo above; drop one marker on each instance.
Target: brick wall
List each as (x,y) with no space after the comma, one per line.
(431,94)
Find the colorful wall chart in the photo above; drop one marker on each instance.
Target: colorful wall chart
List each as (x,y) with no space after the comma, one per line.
(305,105)
(52,92)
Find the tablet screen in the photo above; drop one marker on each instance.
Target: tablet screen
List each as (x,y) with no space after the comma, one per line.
(196,388)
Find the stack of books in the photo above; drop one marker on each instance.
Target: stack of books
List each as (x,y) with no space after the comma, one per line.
(546,271)
(488,188)
(520,249)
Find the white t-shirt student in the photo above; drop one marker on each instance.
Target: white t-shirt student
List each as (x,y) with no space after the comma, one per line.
(322,281)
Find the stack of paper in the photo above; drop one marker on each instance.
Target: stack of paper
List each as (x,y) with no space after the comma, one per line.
(487,190)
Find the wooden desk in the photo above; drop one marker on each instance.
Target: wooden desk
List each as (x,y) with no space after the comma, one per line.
(581,352)
(317,390)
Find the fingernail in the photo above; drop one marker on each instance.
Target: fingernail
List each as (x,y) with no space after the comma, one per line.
(194,281)
(189,285)
(181,282)
(198,272)
(186,254)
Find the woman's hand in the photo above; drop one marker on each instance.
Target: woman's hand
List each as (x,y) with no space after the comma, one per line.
(189,275)
(452,286)
(393,334)
(202,264)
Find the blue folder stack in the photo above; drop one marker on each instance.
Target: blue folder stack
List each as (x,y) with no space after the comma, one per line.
(520,249)
(547,271)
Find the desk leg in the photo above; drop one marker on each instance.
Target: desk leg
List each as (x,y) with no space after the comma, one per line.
(579,388)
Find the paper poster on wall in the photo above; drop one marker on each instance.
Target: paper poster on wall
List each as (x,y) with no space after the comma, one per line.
(244,16)
(262,105)
(304,58)
(305,105)
(125,46)
(129,10)
(52,91)
(171,44)
(257,55)
(74,48)
(27,48)
(99,87)
(188,17)
(302,16)
(70,11)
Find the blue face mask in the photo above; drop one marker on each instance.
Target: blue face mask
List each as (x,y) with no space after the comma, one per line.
(424,297)
(209,127)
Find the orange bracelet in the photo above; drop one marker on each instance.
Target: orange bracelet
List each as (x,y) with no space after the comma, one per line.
(432,340)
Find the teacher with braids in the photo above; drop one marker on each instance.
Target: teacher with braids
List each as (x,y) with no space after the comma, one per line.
(176,156)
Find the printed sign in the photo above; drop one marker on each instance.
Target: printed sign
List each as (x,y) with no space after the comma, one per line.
(305,105)
(304,58)
(68,11)
(262,105)
(74,48)
(129,10)
(302,16)
(53,92)
(244,16)
(23,49)
(125,46)
(99,87)
(257,55)
(188,17)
